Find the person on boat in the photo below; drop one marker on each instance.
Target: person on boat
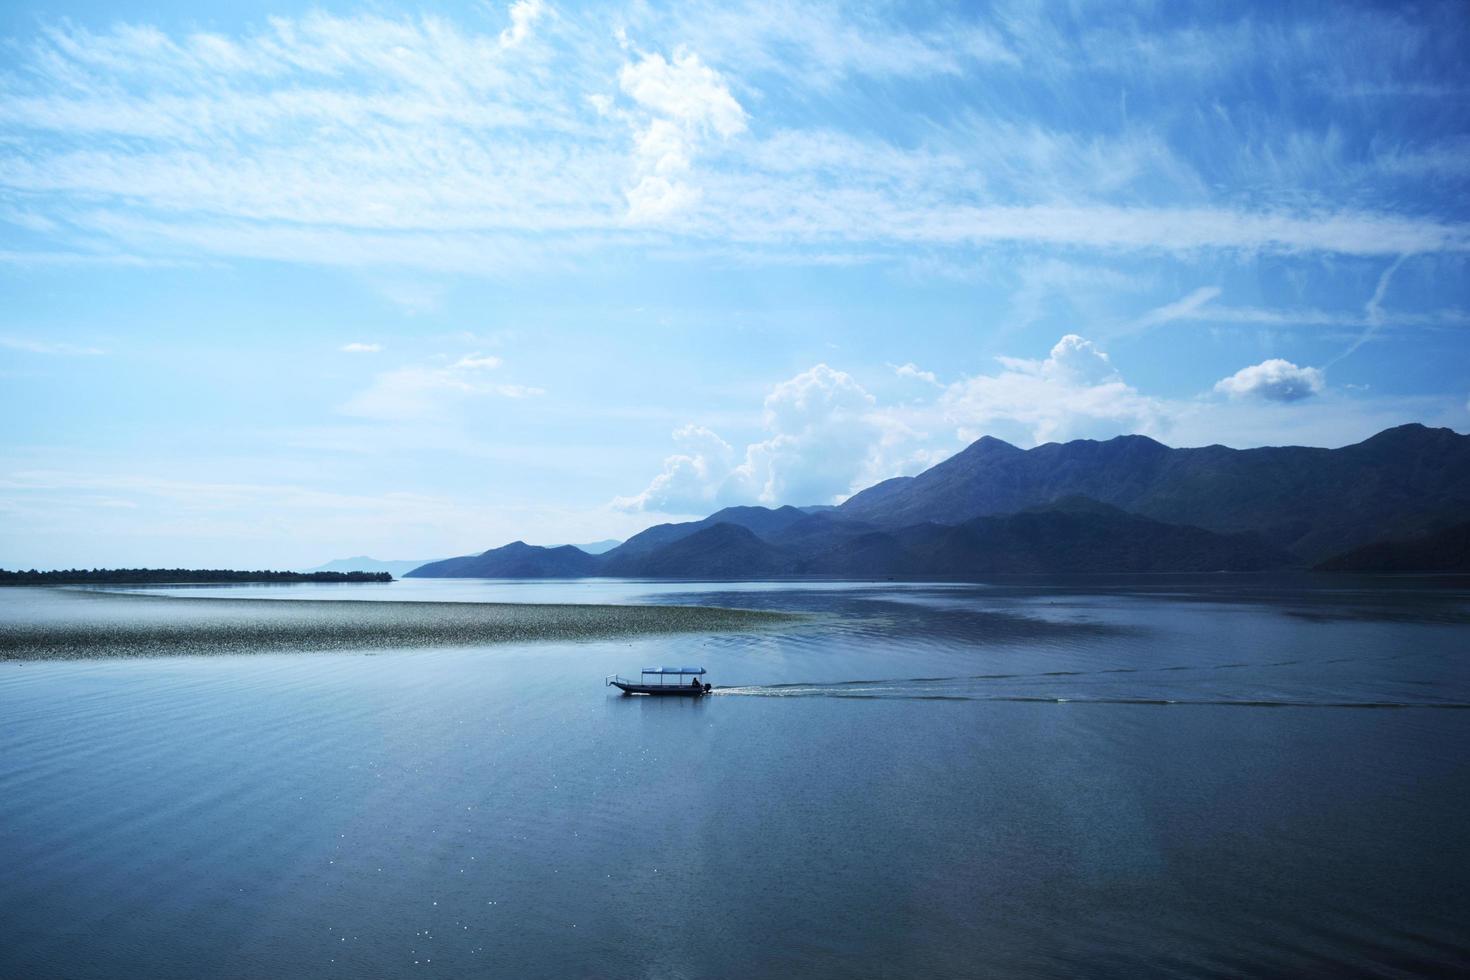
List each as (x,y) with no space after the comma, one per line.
(695,684)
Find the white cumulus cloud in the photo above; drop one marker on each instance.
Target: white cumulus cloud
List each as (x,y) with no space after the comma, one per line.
(684,89)
(356,348)
(1075,392)
(826,439)
(1275,380)
(681,103)
(823,431)
(523,16)
(691,478)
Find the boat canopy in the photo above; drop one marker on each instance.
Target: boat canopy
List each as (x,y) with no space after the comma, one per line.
(673,670)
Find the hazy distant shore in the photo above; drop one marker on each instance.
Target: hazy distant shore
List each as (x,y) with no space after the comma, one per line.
(130,625)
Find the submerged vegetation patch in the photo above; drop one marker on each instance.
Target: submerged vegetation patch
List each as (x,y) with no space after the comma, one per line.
(125,625)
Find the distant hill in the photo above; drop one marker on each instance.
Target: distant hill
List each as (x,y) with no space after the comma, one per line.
(362,563)
(722,550)
(1445,550)
(515,560)
(760,520)
(1314,502)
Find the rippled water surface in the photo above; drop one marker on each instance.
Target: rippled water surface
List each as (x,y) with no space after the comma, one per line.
(1108,777)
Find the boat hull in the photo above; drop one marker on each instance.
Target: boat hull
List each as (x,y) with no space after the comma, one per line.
(661,690)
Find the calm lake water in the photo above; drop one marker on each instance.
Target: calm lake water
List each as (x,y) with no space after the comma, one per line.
(1112,777)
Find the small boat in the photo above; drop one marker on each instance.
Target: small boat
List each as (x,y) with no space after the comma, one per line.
(677,687)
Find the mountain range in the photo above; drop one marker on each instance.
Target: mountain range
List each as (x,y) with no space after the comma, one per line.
(1129,504)
(1313,502)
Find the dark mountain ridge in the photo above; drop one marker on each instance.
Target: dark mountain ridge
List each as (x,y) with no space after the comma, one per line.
(1076,535)
(1129,504)
(1316,502)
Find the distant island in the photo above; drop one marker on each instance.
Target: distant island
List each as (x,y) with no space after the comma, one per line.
(177,576)
(1394,502)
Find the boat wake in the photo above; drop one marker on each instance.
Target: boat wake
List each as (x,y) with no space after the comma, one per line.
(1002,687)
(899,690)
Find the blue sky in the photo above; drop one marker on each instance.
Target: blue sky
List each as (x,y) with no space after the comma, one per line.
(284,283)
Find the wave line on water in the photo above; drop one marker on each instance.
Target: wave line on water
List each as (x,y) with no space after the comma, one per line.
(841,690)
(961,678)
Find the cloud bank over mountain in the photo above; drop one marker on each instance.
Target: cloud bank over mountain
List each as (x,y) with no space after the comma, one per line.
(831,437)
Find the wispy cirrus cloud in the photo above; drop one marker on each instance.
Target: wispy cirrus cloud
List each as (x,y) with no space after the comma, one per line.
(1288,316)
(1181,309)
(821,45)
(1200,306)
(530,135)
(428,391)
(914,372)
(50,347)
